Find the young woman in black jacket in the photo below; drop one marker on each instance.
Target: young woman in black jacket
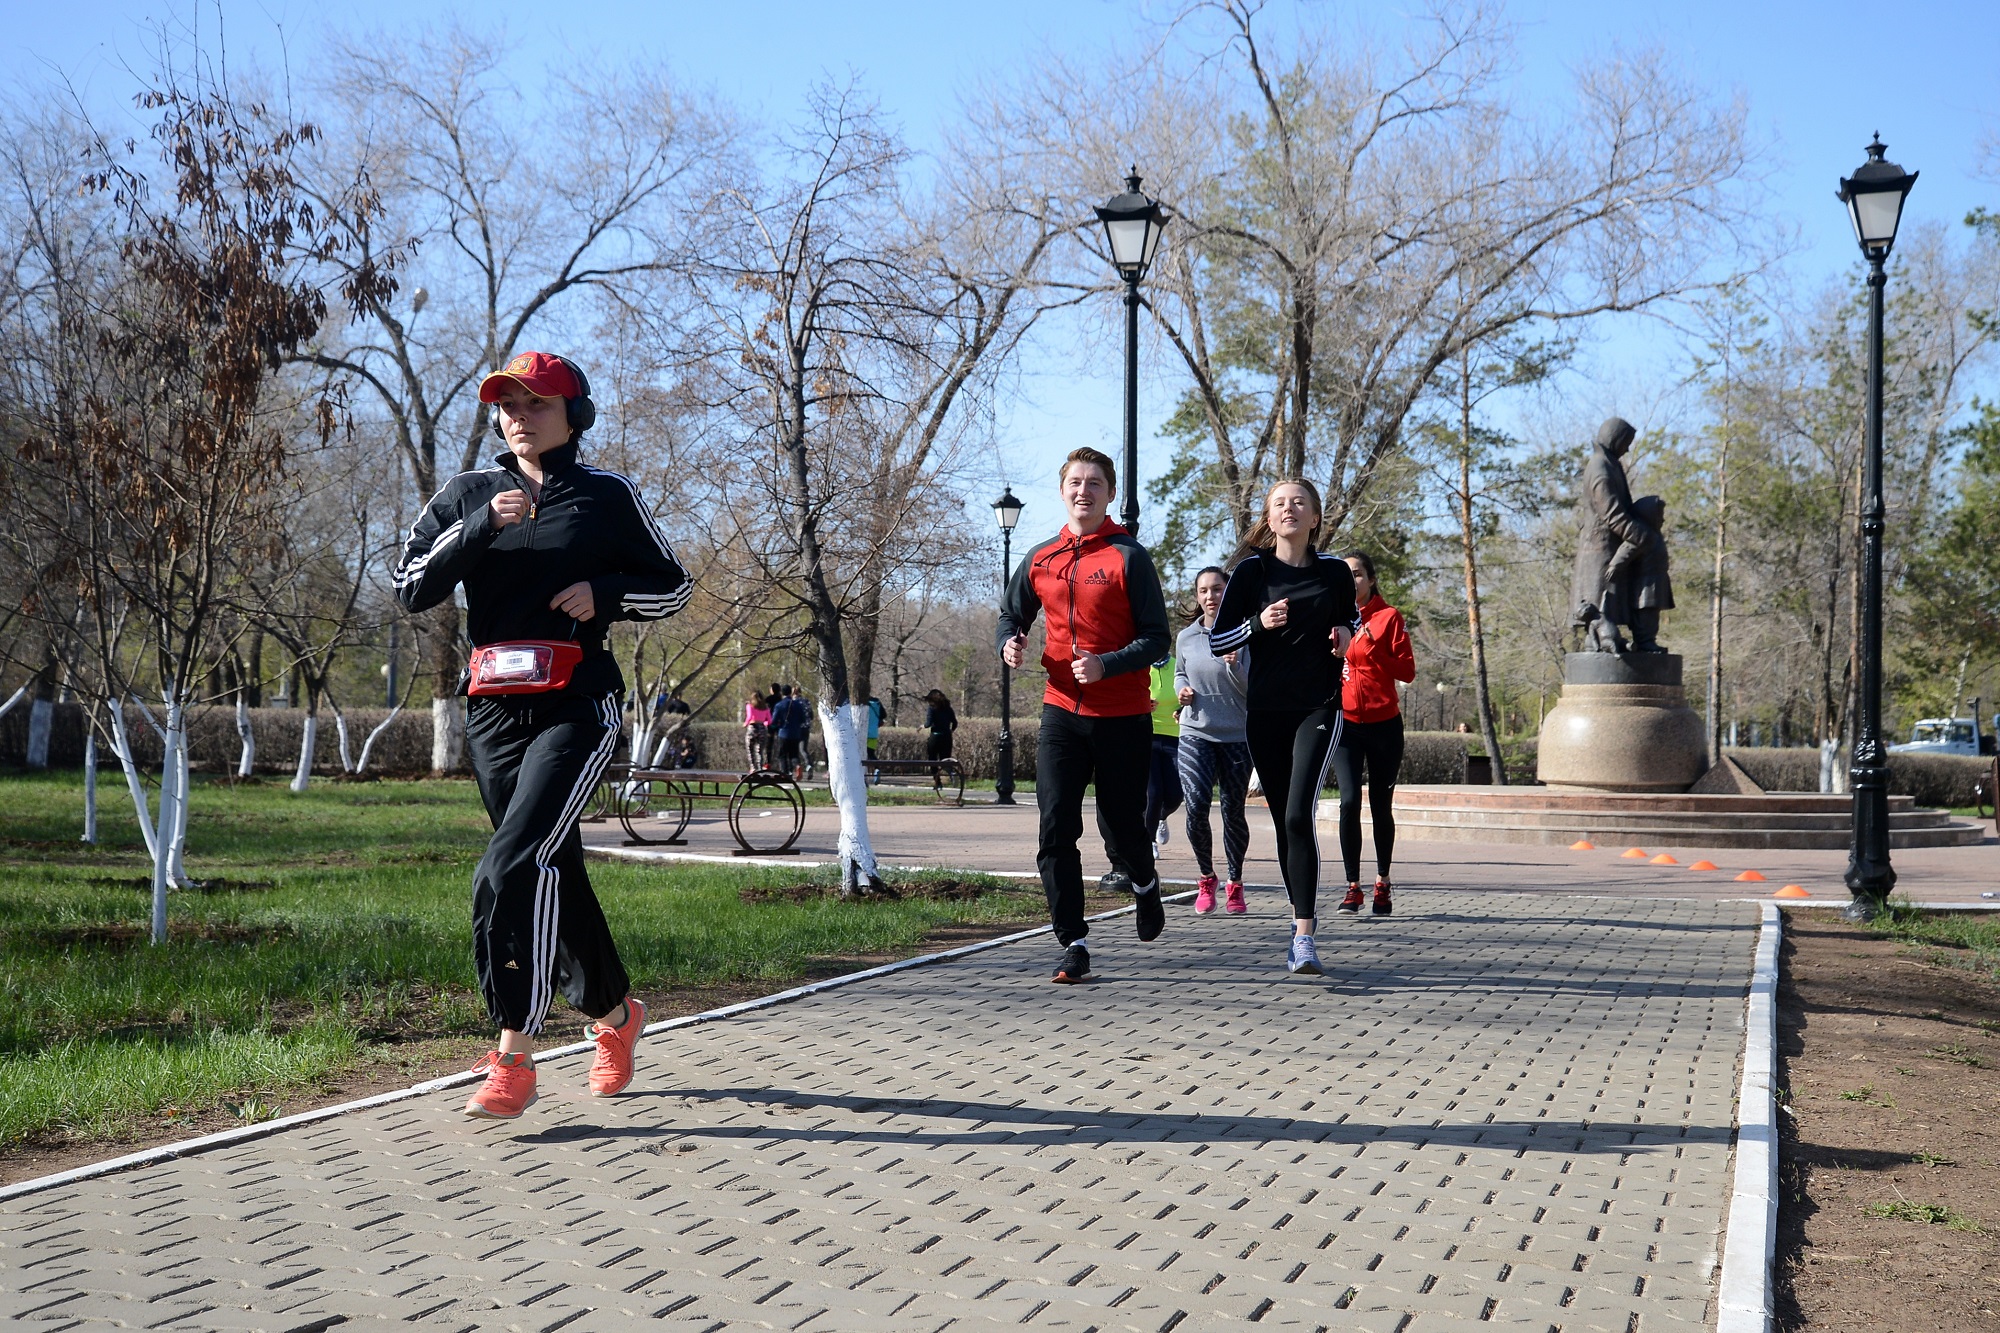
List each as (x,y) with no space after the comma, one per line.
(549,551)
(1294,607)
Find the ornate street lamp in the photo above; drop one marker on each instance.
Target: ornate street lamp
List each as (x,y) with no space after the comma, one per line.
(1007,510)
(1132,226)
(1874,197)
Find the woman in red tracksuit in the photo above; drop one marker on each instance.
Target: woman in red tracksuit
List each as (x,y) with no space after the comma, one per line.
(1371,732)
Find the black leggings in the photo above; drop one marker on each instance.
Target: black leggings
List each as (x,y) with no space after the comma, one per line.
(1378,745)
(1290,749)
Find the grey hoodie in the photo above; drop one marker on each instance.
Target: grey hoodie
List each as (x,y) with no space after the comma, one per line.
(1218,710)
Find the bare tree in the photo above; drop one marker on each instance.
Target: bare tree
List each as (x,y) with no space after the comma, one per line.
(515,222)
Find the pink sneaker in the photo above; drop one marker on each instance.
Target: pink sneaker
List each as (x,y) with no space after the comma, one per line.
(509,1088)
(1204,895)
(1233,899)
(611,1068)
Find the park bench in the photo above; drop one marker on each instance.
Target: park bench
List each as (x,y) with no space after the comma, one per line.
(947,778)
(652,801)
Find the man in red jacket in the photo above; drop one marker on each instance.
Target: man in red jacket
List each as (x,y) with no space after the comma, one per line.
(1107,624)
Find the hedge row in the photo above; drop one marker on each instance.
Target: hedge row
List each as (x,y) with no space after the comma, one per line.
(1941,780)
(213,746)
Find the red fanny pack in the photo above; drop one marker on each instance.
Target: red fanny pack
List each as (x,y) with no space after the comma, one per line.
(529,666)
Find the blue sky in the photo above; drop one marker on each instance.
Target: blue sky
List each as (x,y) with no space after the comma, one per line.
(1817,77)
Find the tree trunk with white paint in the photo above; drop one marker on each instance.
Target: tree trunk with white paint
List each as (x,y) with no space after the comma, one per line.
(163,838)
(368,745)
(447,735)
(121,744)
(850,792)
(41,721)
(308,737)
(90,787)
(246,757)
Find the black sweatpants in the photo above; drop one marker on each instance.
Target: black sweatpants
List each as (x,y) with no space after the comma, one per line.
(536,925)
(1377,747)
(1290,748)
(1071,752)
(1163,781)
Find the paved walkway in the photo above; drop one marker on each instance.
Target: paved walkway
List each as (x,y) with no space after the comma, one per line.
(1506,1108)
(990,837)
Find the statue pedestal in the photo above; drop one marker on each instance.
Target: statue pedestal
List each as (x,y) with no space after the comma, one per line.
(1622,724)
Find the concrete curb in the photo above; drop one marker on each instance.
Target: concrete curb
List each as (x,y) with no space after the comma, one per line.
(1743,1292)
(249,1133)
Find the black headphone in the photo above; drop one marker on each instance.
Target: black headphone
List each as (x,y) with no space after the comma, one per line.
(580,412)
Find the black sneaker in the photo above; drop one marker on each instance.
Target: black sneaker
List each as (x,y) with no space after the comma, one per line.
(1114,881)
(1381,906)
(1075,966)
(1150,914)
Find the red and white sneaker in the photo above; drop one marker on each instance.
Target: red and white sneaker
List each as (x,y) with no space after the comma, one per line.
(1232,899)
(1204,895)
(509,1088)
(1352,902)
(611,1068)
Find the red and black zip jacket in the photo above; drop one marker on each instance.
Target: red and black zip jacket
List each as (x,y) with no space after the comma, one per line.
(1379,657)
(1101,595)
(588,525)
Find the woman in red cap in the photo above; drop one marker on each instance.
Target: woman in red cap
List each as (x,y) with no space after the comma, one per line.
(549,551)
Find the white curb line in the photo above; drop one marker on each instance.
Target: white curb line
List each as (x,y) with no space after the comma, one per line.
(1743,1292)
(248,1133)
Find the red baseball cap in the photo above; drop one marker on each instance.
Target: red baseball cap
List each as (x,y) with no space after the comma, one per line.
(541,373)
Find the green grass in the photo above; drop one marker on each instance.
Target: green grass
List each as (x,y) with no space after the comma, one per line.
(1968,940)
(336,924)
(1930,1214)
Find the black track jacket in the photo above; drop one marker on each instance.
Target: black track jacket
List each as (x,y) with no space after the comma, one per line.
(587,526)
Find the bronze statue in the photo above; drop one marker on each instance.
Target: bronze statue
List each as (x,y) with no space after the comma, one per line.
(1621,556)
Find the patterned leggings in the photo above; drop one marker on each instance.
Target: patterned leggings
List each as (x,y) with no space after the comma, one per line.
(1201,762)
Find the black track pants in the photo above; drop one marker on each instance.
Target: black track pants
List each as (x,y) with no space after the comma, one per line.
(536,926)
(1071,752)
(1202,764)
(1377,746)
(1163,781)
(1290,748)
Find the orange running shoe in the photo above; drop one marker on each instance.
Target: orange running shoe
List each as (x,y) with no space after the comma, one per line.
(509,1088)
(611,1070)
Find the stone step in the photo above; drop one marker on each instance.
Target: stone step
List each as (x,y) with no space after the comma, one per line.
(1555,817)
(1953,834)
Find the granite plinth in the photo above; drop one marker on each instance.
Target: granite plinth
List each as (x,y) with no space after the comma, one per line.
(1622,725)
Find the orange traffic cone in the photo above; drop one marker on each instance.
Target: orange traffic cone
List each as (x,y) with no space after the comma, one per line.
(1664,860)
(1792,891)
(1634,854)
(1583,845)
(1749,877)
(1703,865)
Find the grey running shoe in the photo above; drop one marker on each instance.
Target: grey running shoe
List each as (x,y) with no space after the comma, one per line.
(1304,958)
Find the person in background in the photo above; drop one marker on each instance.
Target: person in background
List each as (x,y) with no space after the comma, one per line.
(1163,779)
(875,714)
(940,721)
(1211,692)
(684,753)
(787,722)
(756,731)
(803,715)
(1371,732)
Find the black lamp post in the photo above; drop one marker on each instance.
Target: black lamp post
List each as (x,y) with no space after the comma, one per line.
(1874,197)
(1132,226)
(1007,510)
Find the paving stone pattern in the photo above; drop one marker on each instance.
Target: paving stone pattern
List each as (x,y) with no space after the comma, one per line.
(1513,1111)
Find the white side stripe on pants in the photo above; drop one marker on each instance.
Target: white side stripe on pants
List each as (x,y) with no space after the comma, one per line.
(548,879)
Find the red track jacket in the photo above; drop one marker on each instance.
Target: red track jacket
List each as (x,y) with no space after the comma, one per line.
(1379,657)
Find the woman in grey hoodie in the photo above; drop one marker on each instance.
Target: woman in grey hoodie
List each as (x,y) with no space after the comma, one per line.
(1211,694)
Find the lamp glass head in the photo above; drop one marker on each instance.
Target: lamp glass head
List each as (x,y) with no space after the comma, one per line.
(1007,510)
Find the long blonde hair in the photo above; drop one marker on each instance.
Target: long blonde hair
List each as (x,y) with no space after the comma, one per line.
(1261,538)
